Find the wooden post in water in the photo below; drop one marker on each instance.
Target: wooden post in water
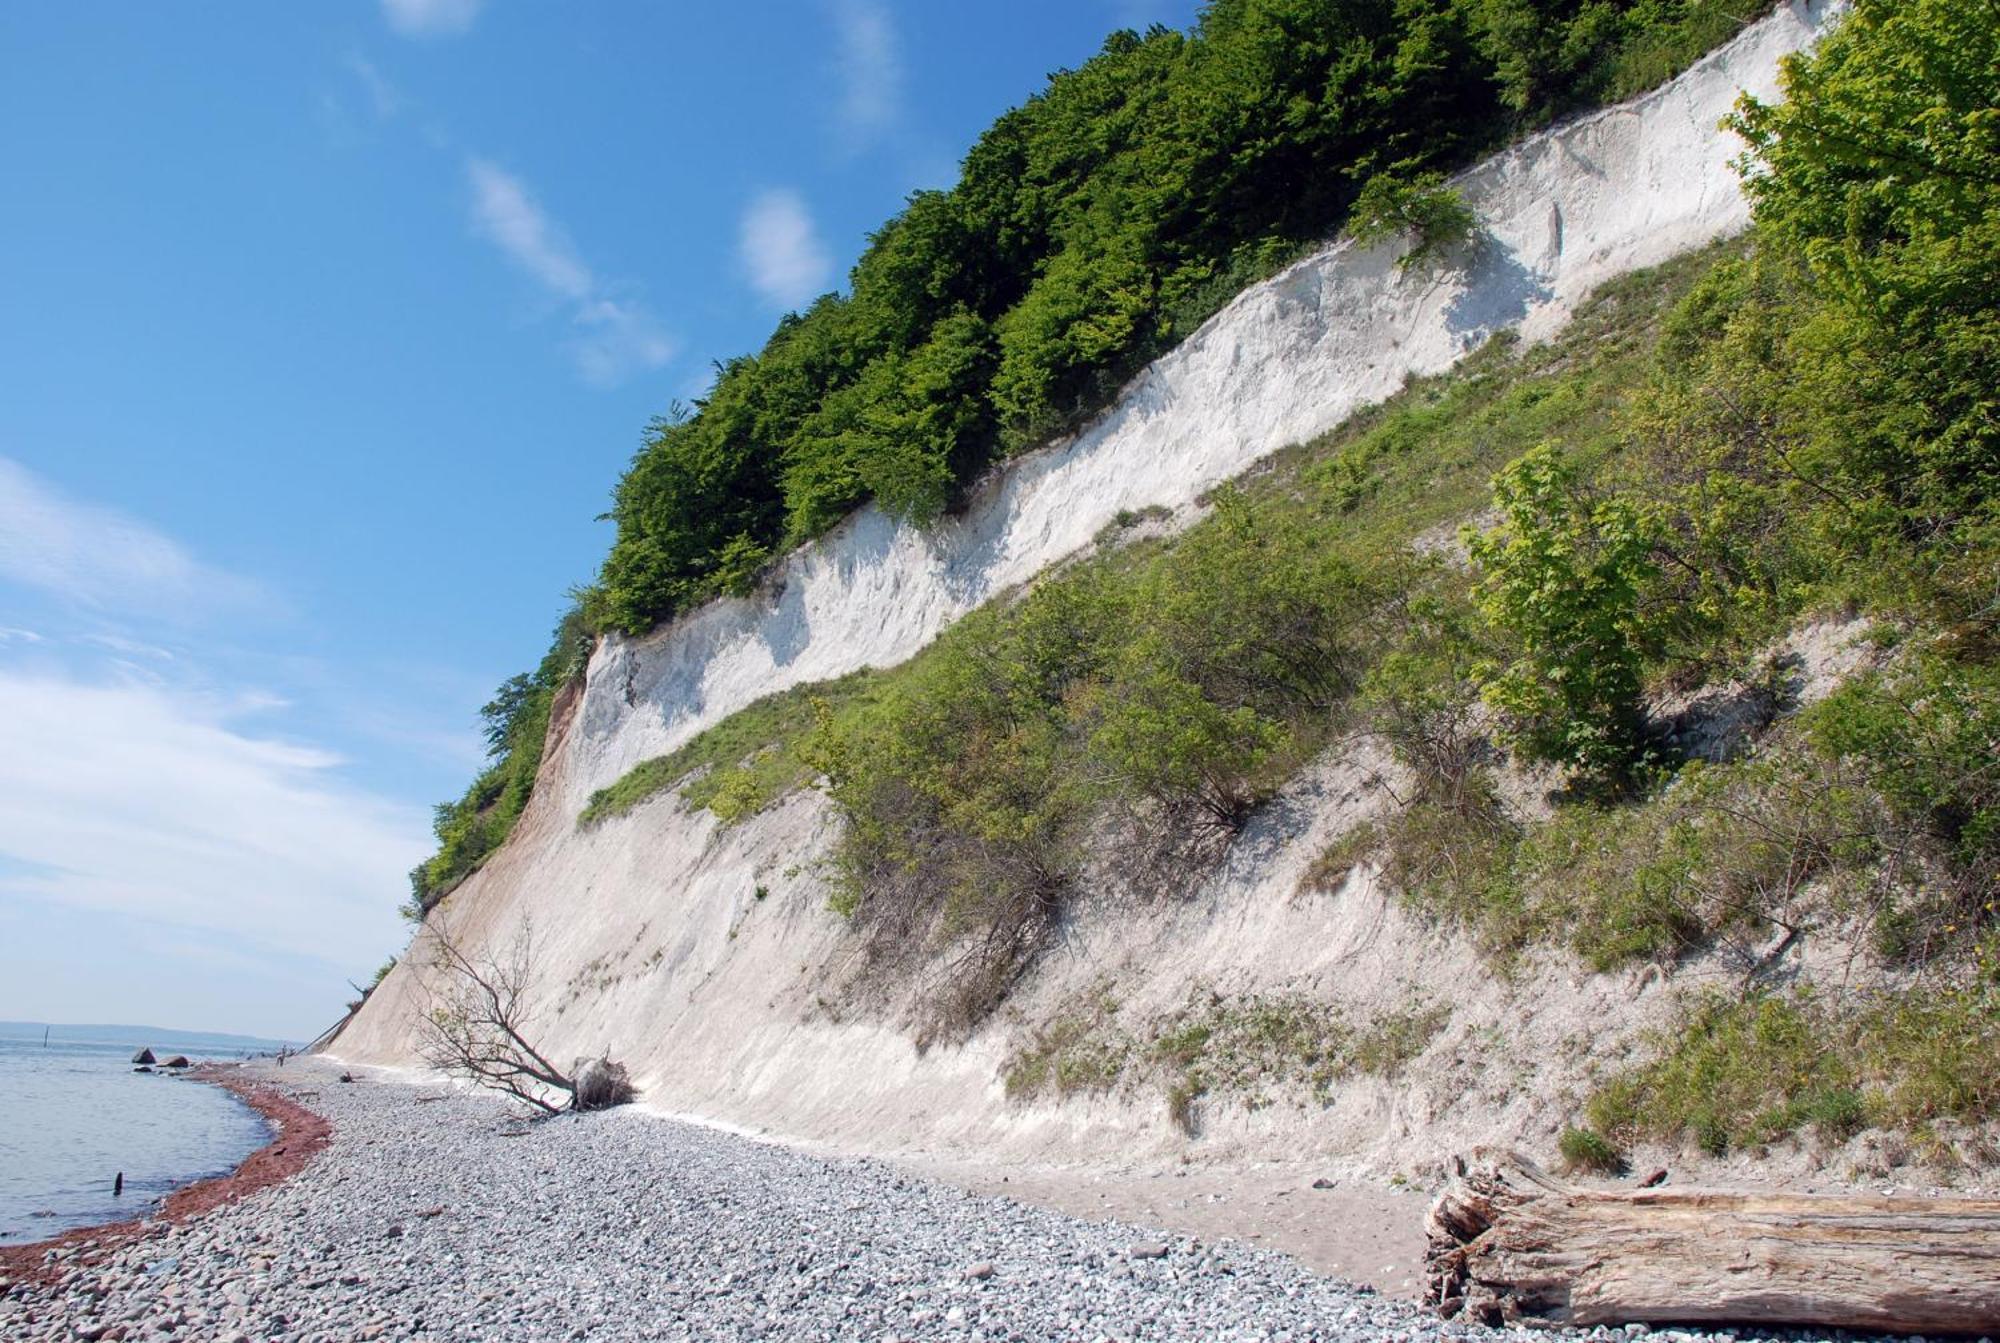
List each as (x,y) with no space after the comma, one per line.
(118,1185)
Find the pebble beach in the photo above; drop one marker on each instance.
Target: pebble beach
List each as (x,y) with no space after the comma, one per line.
(436,1214)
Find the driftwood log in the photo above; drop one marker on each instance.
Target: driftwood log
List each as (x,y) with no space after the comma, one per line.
(1511,1245)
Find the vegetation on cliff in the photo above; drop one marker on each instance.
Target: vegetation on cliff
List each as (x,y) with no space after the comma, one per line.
(1091,228)
(516,724)
(1799,426)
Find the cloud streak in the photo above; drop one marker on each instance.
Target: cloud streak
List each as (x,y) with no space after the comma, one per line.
(868,61)
(503,211)
(144,800)
(781,251)
(98,557)
(431,18)
(383,98)
(612,337)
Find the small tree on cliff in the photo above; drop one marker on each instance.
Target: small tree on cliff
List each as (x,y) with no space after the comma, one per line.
(474,1013)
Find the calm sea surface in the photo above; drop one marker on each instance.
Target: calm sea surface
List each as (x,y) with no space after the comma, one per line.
(74,1114)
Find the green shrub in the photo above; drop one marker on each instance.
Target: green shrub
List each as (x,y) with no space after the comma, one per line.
(1929,739)
(1422,698)
(1589,1152)
(1897,213)
(1563,575)
(973,783)
(1431,214)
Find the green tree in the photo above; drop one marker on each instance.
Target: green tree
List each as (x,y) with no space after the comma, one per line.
(1563,575)
(1882,170)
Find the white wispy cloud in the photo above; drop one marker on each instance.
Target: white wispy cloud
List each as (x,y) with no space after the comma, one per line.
(617,339)
(383,97)
(868,61)
(431,18)
(781,251)
(508,216)
(165,795)
(99,557)
(613,337)
(155,802)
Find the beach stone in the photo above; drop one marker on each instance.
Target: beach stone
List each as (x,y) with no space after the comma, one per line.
(144,1056)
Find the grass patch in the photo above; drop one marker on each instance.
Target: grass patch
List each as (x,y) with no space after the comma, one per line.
(1253,1049)
(1588,1152)
(744,763)
(1080,1052)
(1738,1073)
(1329,870)
(1390,1041)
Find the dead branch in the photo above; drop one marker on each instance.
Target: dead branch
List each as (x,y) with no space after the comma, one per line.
(475,1015)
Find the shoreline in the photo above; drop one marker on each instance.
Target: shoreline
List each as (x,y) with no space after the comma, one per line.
(442,1214)
(438,1213)
(298,1135)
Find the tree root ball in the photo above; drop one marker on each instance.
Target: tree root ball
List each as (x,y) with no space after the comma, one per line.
(601,1084)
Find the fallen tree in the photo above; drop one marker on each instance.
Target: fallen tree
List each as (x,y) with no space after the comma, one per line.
(1511,1245)
(476,1021)
(476,1014)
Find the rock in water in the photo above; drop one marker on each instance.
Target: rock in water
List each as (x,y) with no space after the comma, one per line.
(177,1061)
(601,1084)
(143,1056)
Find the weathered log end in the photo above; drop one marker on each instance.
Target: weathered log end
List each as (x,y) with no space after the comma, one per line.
(1509,1244)
(1494,1183)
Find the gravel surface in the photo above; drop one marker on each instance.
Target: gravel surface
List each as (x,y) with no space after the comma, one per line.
(444,1216)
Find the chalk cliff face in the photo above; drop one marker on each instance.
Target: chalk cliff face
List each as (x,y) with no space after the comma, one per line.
(650,936)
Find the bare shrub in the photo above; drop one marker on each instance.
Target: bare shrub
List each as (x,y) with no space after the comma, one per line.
(476,1012)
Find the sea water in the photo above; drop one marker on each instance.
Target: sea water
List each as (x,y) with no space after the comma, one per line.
(74,1114)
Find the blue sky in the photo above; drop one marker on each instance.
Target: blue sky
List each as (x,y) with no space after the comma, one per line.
(324,332)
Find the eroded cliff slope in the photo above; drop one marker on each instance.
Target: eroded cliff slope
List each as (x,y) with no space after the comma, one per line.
(706,956)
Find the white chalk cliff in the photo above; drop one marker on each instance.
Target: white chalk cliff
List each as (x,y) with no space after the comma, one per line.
(651,938)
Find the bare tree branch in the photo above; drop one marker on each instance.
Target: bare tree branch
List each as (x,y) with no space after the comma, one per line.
(475,1014)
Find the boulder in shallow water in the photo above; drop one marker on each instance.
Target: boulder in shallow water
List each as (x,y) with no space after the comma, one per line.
(177,1061)
(601,1084)
(143,1056)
